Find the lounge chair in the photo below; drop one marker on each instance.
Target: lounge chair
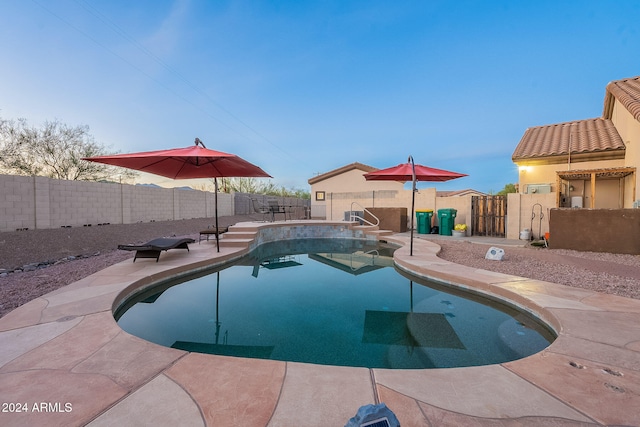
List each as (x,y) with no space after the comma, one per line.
(153,248)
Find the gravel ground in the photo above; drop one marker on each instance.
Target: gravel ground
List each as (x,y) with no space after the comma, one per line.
(58,257)
(617,274)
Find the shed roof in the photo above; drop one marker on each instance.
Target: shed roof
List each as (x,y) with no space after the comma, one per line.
(465,192)
(340,171)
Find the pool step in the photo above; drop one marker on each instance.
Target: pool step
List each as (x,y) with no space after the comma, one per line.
(235,243)
(244,234)
(364,227)
(379,233)
(238,238)
(373,230)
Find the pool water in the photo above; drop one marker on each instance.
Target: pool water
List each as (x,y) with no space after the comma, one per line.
(333,302)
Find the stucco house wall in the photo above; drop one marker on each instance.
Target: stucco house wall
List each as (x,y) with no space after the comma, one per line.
(596,160)
(529,211)
(629,129)
(546,174)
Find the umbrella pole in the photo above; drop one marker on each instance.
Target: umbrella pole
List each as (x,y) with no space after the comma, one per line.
(411,294)
(215,184)
(217,307)
(413,199)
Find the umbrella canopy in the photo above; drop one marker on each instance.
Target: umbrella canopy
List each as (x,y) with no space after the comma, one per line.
(411,172)
(192,162)
(196,161)
(404,172)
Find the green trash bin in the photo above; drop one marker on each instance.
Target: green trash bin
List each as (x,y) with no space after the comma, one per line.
(423,220)
(446,218)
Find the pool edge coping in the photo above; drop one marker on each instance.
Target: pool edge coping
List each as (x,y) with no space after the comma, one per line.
(433,265)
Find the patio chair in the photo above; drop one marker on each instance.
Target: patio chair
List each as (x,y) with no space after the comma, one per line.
(276,208)
(260,208)
(153,248)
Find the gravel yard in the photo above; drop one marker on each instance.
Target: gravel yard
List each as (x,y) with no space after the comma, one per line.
(58,257)
(617,274)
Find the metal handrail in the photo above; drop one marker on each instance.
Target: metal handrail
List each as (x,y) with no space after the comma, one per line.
(353,216)
(373,253)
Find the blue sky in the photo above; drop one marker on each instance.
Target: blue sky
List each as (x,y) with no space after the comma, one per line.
(301,87)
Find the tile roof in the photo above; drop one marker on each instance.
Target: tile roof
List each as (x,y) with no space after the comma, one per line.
(627,92)
(340,171)
(586,136)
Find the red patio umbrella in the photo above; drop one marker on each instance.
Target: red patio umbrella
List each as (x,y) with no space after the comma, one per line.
(411,172)
(405,172)
(196,161)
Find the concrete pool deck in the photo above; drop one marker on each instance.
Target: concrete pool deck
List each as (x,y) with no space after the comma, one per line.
(64,361)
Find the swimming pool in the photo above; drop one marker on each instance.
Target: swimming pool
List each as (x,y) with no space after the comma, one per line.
(333,302)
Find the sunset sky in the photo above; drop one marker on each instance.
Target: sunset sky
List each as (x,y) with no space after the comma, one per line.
(301,88)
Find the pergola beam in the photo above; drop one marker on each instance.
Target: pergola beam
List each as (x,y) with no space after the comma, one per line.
(591,175)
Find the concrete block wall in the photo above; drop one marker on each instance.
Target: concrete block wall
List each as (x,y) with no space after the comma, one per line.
(40,203)
(17,206)
(189,204)
(243,204)
(199,204)
(151,204)
(42,208)
(225,204)
(73,203)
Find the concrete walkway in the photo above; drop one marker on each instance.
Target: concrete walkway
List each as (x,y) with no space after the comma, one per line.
(64,361)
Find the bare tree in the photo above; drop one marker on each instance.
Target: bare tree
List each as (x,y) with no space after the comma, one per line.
(258,186)
(55,151)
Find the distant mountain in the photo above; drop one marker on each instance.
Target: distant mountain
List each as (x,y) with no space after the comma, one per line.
(157,186)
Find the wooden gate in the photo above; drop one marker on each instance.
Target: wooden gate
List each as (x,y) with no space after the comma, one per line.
(488,216)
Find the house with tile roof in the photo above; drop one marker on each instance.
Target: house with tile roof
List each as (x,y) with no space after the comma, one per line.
(588,163)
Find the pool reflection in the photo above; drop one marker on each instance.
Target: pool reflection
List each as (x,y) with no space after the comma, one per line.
(339,303)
